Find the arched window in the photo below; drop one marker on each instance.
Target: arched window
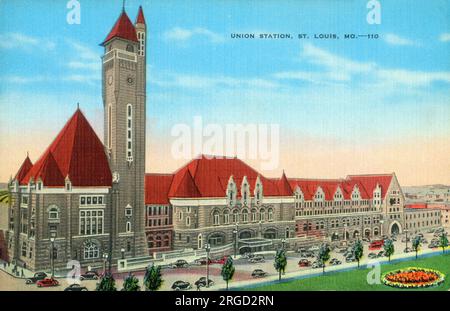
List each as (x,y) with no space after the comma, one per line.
(235,216)
(253,215)
(245,216)
(216,218)
(128,226)
(129,133)
(226,217)
(262,215)
(130,48)
(270,214)
(200,241)
(91,250)
(188,221)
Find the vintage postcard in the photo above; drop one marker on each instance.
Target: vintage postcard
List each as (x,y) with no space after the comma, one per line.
(202,146)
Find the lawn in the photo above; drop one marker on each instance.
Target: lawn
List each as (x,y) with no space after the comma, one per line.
(357,279)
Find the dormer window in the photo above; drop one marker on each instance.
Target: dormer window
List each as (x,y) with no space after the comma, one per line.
(231,192)
(53,212)
(245,191)
(130,48)
(68,184)
(128,211)
(298,198)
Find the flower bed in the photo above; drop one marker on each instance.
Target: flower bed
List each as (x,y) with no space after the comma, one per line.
(413,278)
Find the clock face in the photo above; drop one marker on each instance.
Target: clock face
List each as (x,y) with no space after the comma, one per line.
(130,80)
(110,80)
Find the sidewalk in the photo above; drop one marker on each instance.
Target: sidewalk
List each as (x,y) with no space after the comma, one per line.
(20,272)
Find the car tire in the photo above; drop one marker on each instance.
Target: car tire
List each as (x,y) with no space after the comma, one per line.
(177,289)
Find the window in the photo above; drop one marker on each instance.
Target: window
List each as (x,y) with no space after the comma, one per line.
(235,216)
(109,126)
(128,211)
(91,222)
(24,200)
(91,200)
(188,221)
(253,215)
(129,133)
(128,226)
(24,249)
(226,217)
(216,218)
(262,215)
(245,216)
(53,212)
(270,213)
(130,48)
(141,47)
(91,250)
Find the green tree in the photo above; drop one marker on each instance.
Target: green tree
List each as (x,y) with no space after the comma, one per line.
(388,247)
(107,284)
(358,250)
(416,243)
(324,255)
(227,270)
(153,278)
(443,241)
(131,284)
(280,262)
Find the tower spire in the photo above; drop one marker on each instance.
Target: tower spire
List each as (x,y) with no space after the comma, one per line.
(123,6)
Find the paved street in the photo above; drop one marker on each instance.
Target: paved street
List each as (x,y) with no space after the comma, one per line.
(193,273)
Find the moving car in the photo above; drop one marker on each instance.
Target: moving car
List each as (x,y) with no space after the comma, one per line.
(47,282)
(304,262)
(37,277)
(180,263)
(219,261)
(201,282)
(335,262)
(372,255)
(376,244)
(200,261)
(258,273)
(256,259)
(75,288)
(317,264)
(90,275)
(181,285)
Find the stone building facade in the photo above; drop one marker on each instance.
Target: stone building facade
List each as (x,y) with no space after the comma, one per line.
(83,200)
(422,219)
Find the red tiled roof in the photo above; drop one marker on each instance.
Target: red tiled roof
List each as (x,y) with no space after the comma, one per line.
(24,169)
(46,169)
(123,29)
(140,18)
(77,153)
(157,188)
(208,176)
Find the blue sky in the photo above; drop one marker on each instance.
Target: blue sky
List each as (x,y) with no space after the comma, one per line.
(364,92)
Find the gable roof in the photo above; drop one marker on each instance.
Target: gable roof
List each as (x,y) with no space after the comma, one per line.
(76,153)
(46,169)
(123,28)
(157,188)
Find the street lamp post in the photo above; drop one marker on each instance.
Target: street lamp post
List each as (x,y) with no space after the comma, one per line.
(52,240)
(381,227)
(235,232)
(406,238)
(208,249)
(105,259)
(345,233)
(260,228)
(283,241)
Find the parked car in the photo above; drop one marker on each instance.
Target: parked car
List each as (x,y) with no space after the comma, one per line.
(180,263)
(350,259)
(37,277)
(341,250)
(314,249)
(308,254)
(300,250)
(304,262)
(407,250)
(380,254)
(335,262)
(258,273)
(317,264)
(424,241)
(75,288)
(200,261)
(256,259)
(90,275)
(181,285)
(201,282)
(47,282)
(372,255)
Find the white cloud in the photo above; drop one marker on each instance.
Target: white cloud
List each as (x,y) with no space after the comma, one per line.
(183,35)
(84,63)
(394,39)
(445,37)
(24,42)
(24,80)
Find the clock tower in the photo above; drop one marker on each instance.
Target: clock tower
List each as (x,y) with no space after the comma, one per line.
(124,96)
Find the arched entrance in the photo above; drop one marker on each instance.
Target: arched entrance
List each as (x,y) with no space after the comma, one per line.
(355,234)
(270,234)
(245,235)
(334,237)
(395,229)
(367,233)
